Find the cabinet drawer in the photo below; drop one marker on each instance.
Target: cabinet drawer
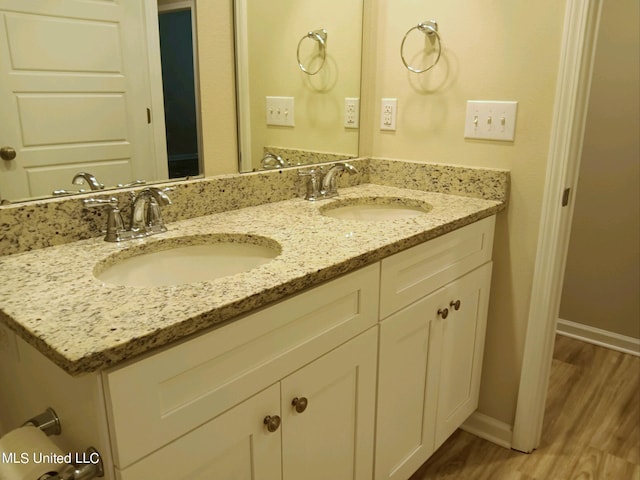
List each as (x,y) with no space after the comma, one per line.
(157,399)
(416,272)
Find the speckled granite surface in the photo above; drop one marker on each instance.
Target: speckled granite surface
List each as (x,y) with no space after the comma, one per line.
(491,184)
(40,224)
(306,157)
(52,299)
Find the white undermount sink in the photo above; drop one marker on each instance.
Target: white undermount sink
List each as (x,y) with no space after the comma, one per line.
(375,208)
(186,260)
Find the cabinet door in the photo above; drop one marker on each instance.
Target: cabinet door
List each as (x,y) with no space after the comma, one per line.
(429,372)
(405,423)
(458,341)
(331,437)
(233,446)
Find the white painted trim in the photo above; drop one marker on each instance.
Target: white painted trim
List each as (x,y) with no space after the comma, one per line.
(175,6)
(155,87)
(572,93)
(489,428)
(600,337)
(242,81)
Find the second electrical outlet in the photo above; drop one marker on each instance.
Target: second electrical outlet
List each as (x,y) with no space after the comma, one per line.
(388,115)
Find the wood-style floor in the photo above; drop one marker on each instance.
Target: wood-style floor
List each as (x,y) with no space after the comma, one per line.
(591,426)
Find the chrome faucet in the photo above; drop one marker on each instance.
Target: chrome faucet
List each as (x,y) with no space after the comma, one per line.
(146,218)
(330,180)
(84,177)
(324,185)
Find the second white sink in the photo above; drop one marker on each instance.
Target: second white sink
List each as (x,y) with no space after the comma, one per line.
(375,209)
(186,260)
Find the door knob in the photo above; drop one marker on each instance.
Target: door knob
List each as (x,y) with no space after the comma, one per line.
(443,312)
(300,404)
(7,153)
(455,305)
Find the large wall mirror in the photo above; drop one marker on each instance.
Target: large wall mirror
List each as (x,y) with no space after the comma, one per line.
(298,77)
(81,91)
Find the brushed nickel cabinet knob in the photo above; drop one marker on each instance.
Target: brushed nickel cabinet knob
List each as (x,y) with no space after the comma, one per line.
(300,404)
(272,422)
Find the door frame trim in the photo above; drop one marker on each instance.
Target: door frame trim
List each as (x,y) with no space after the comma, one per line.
(572,94)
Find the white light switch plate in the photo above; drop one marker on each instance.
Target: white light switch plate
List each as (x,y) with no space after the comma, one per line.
(281,111)
(491,120)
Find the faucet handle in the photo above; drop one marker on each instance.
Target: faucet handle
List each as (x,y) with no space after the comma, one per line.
(313,183)
(100,202)
(116,231)
(135,183)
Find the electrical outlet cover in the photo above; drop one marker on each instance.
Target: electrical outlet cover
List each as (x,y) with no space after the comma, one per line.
(388,113)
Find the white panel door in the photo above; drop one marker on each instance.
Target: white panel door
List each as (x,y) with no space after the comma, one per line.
(332,436)
(74,93)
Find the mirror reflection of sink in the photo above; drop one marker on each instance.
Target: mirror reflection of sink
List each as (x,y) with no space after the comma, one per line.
(375,208)
(186,260)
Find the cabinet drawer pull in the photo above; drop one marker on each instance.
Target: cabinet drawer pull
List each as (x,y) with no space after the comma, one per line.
(300,404)
(455,305)
(272,423)
(443,312)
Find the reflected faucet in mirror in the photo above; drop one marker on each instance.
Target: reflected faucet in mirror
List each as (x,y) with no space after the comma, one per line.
(80,179)
(271,160)
(89,179)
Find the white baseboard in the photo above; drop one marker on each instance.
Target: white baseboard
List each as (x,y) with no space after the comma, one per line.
(597,336)
(489,428)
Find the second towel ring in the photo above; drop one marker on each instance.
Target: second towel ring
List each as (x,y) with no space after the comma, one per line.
(319,36)
(428,28)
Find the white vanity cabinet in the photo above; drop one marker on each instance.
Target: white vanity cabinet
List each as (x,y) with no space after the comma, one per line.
(224,401)
(435,298)
(317,423)
(359,378)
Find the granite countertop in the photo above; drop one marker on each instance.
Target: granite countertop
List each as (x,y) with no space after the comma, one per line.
(52,300)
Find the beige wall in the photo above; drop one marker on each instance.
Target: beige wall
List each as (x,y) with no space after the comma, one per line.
(274,30)
(497,50)
(602,277)
(214,24)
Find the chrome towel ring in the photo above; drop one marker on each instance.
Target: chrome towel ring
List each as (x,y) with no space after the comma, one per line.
(319,36)
(429,28)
